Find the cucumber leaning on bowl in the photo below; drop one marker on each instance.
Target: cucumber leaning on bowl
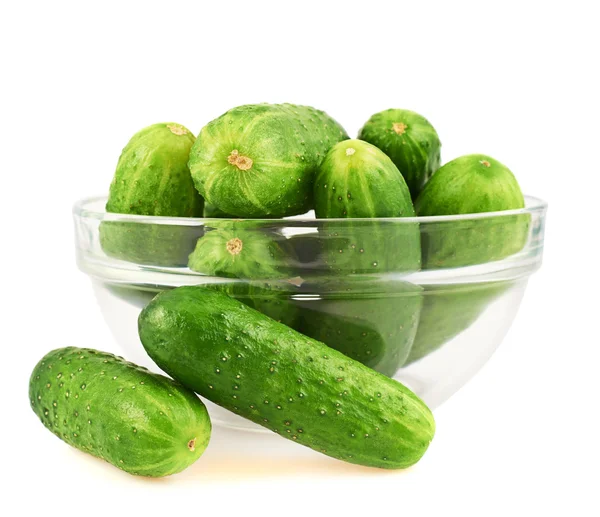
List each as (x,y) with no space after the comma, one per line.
(278,378)
(258,160)
(357,180)
(152,178)
(141,422)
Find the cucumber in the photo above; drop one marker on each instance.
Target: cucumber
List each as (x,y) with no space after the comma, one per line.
(140,422)
(258,160)
(449,310)
(472,184)
(276,377)
(409,140)
(242,250)
(372,322)
(357,180)
(152,178)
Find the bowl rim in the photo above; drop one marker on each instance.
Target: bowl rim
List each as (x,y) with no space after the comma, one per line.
(81,209)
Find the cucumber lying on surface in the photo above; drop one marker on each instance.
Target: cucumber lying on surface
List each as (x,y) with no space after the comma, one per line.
(409,140)
(141,422)
(152,178)
(472,184)
(357,180)
(258,160)
(295,386)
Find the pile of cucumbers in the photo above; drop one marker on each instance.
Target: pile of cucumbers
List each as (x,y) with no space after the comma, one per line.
(315,373)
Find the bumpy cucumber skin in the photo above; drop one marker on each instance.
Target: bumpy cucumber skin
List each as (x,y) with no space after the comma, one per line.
(233,250)
(357,180)
(279,145)
(472,184)
(152,178)
(409,140)
(447,311)
(372,323)
(287,382)
(141,422)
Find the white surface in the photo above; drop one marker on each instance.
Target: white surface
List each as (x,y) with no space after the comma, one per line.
(516,82)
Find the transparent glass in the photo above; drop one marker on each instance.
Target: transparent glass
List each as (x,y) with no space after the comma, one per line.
(423,300)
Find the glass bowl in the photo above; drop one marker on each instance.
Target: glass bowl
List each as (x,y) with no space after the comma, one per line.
(424,300)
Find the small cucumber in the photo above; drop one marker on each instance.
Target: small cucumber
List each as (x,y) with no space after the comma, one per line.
(241,249)
(409,140)
(357,180)
(472,184)
(258,160)
(294,385)
(152,178)
(141,422)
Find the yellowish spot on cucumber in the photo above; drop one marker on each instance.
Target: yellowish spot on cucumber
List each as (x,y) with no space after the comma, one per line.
(399,127)
(234,246)
(242,162)
(350,151)
(191,445)
(177,129)
(485,163)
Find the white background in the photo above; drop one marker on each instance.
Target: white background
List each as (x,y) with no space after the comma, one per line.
(515,81)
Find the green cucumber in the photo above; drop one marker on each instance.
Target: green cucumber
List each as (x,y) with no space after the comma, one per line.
(258,160)
(276,377)
(241,249)
(409,140)
(449,310)
(357,180)
(152,178)
(472,184)
(140,422)
(372,322)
